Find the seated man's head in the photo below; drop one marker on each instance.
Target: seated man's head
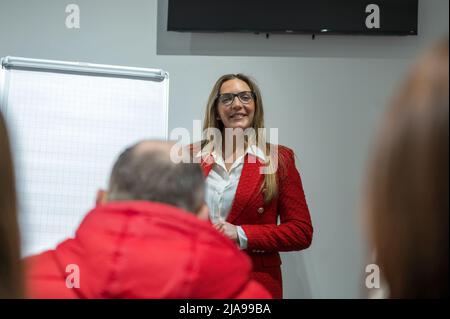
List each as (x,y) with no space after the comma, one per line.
(145,172)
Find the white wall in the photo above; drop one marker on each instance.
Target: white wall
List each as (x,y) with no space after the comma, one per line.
(324,96)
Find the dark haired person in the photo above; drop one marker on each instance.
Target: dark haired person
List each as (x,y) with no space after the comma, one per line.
(408,185)
(147,238)
(10,267)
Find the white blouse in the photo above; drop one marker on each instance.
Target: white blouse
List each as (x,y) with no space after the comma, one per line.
(221,188)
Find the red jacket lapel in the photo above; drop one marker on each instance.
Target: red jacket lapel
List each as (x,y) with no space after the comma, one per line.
(207,165)
(248,185)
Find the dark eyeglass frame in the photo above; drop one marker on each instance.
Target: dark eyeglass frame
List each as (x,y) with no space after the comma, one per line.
(238,95)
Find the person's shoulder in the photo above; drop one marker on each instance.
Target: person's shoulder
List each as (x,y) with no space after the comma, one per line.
(281,151)
(45,258)
(44,278)
(41,265)
(285,158)
(285,150)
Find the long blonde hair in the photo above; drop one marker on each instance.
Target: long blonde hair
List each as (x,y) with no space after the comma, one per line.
(269,186)
(408,185)
(11,282)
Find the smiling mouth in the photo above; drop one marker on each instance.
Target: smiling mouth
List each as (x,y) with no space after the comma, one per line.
(238,116)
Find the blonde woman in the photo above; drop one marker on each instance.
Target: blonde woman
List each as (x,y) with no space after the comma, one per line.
(10,267)
(254,191)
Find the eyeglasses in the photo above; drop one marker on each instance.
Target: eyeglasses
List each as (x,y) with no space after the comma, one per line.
(228,98)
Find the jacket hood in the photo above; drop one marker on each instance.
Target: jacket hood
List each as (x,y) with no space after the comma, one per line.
(153,250)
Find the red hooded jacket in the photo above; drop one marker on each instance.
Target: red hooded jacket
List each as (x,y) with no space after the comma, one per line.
(143,250)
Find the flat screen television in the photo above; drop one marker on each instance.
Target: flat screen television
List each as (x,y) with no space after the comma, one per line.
(377,17)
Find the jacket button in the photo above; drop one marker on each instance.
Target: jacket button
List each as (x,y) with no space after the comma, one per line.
(260,210)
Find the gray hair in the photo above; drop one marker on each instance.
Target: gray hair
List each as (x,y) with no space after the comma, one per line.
(145,171)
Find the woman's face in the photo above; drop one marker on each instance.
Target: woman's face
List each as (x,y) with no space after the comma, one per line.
(238,114)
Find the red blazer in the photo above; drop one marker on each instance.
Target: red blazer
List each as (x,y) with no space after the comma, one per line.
(259,220)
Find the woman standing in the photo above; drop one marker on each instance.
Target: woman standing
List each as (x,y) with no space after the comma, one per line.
(246,203)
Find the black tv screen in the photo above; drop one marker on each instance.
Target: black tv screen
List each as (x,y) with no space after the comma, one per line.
(383,17)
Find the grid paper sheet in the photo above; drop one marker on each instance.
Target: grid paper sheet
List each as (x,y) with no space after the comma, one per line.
(67,131)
